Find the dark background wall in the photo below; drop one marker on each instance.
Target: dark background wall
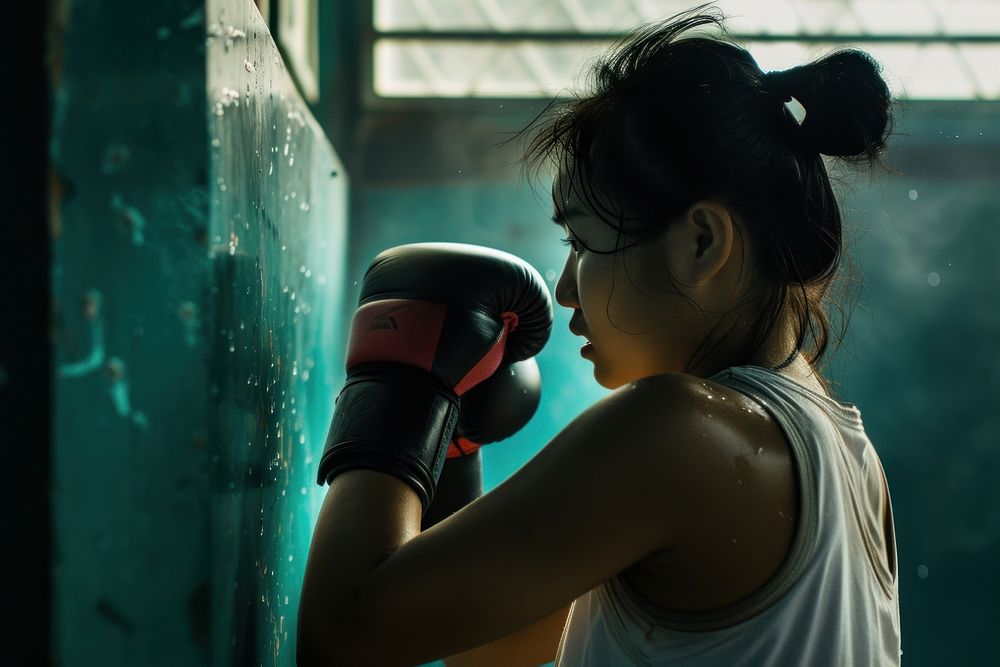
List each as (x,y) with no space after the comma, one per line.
(25,361)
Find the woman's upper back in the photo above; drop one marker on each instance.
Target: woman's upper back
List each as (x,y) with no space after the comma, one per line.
(816,582)
(738,539)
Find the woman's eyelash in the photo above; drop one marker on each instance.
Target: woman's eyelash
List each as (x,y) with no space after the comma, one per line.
(571,243)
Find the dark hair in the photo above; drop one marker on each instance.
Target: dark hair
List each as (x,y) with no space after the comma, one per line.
(673,121)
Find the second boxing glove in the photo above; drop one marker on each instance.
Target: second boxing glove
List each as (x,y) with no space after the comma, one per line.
(491,411)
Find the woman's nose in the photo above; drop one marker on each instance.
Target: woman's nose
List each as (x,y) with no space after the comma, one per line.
(566,286)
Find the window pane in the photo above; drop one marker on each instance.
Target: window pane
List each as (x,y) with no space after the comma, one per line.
(484,68)
(812,17)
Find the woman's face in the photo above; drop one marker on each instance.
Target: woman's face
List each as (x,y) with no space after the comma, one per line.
(623,302)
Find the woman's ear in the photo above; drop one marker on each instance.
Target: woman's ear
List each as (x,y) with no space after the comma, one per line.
(700,243)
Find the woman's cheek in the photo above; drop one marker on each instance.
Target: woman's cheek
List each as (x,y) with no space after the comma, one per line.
(594,289)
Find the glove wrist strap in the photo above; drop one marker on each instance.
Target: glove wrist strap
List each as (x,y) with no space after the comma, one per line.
(393,418)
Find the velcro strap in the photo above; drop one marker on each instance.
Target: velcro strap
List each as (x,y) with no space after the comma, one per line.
(393,418)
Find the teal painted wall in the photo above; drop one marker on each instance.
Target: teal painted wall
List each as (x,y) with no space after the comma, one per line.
(198,246)
(923,366)
(279,228)
(129,277)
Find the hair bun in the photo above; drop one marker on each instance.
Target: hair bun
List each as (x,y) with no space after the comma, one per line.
(846,101)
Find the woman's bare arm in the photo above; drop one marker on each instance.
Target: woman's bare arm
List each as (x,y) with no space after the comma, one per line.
(532,646)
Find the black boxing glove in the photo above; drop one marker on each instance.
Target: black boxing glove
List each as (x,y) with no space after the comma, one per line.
(433,321)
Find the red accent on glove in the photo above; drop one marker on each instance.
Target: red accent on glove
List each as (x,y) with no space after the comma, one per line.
(375,336)
(490,361)
(461,447)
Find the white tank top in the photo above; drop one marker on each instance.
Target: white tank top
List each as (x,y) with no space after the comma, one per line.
(832,602)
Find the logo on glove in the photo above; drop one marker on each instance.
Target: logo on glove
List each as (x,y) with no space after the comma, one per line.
(386,321)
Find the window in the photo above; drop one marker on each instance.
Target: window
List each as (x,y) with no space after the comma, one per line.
(929,49)
(297,37)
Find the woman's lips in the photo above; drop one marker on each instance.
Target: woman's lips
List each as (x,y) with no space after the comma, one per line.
(587,346)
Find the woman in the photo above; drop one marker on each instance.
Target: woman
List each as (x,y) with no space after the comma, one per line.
(721,506)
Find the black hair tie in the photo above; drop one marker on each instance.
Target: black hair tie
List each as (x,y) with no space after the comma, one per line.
(776,83)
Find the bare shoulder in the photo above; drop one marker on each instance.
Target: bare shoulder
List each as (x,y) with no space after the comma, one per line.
(709,431)
(673,403)
(681,434)
(696,388)
(734,503)
(699,399)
